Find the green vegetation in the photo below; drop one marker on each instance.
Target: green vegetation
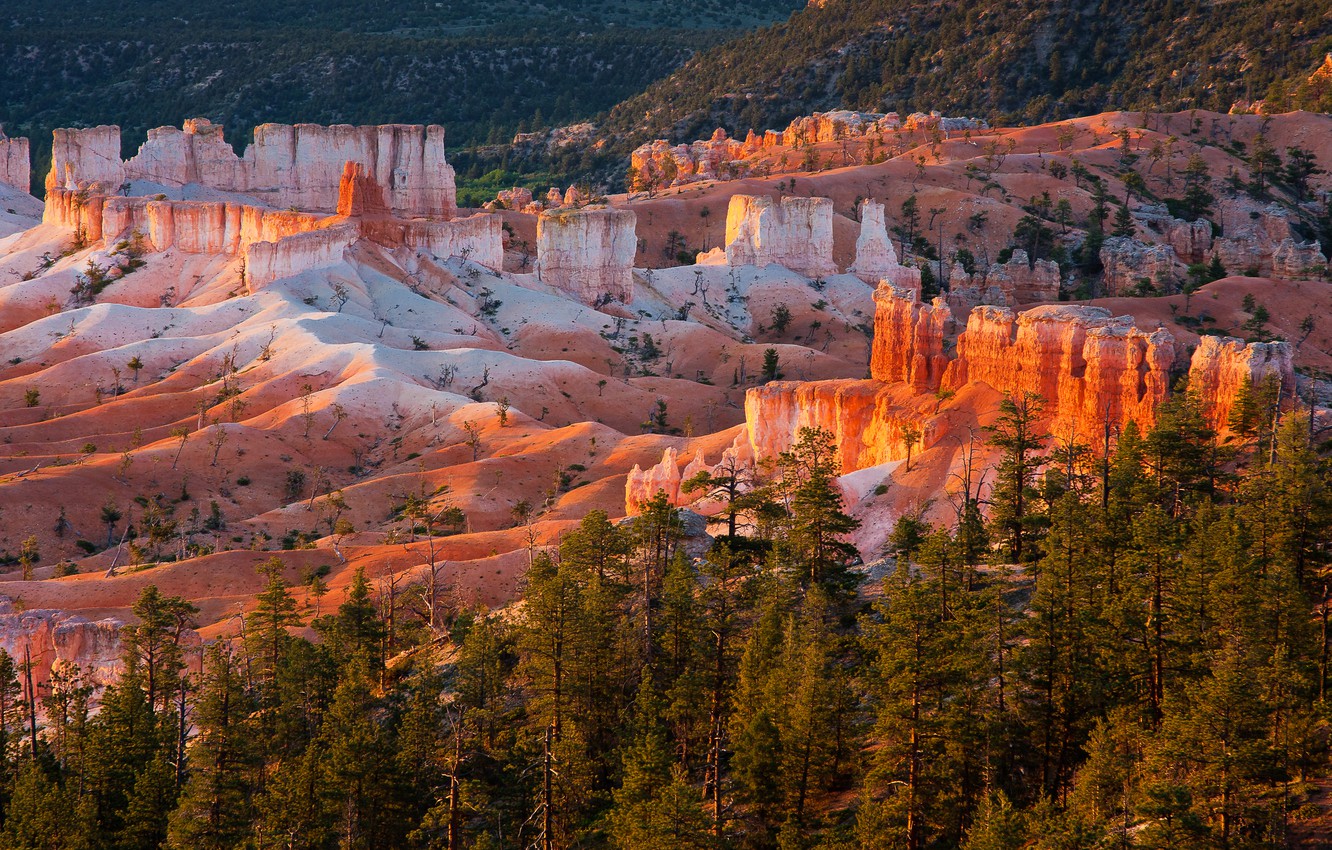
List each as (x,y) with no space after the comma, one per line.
(1131,652)
(1015,62)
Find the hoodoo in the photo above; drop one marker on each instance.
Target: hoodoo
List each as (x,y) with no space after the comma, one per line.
(588,253)
(795,233)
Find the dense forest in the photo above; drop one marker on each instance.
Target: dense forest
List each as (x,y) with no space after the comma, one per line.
(1021,62)
(483,69)
(1124,649)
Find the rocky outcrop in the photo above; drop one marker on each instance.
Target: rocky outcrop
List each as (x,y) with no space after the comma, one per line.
(275,243)
(643,485)
(1026,281)
(869,420)
(659,163)
(795,233)
(588,253)
(1223,367)
(15,163)
(87,159)
(193,227)
(1261,239)
(909,339)
(1190,240)
(266,262)
(1128,262)
(516,198)
(1293,260)
(876,260)
(297,165)
(1087,366)
(58,641)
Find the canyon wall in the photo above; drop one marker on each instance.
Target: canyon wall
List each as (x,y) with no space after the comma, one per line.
(194,227)
(1087,366)
(588,253)
(869,420)
(15,163)
(58,641)
(266,262)
(1222,367)
(297,166)
(909,338)
(795,233)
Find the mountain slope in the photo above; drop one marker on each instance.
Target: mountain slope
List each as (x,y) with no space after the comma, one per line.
(1024,60)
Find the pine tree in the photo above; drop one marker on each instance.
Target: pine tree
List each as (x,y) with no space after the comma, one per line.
(822,556)
(266,636)
(650,809)
(155,643)
(215,807)
(1013,513)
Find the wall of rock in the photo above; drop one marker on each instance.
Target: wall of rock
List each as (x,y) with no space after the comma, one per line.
(868,419)
(588,253)
(194,227)
(909,338)
(266,262)
(795,233)
(1222,366)
(59,641)
(1087,366)
(15,163)
(286,165)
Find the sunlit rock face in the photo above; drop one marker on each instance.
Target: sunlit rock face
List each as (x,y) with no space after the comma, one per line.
(588,253)
(1087,366)
(1224,368)
(909,339)
(795,233)
(286,165)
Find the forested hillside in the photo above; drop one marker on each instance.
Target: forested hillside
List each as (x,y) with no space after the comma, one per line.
(483,69)
(1024,61)
(1130,652)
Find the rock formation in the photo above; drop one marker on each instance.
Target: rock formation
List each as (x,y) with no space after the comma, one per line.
(1087,366)
(1293,260)
(659,163)
(1024,281)
(1223,367)
(1128,262)
(875,258)
(194,227)
(909,338)
(86,160)
(1261,239)
(58,641)
(15,163)
(868,419)
(266,262)
(588,253)
(643,485)
(286,166)
(275,243)
(795,233)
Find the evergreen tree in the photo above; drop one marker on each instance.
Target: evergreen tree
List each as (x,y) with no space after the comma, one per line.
(215,808)
(1012,509)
